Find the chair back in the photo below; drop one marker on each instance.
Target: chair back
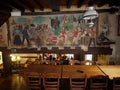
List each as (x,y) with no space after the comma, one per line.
(116,83)
(33,80)
(78,81)
(51,81)
(99,82)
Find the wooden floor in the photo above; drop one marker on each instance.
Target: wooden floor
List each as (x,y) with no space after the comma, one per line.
(13,82)
(17,82)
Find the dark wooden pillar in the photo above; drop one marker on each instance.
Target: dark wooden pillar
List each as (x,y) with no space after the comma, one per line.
(6,62)
(79,57)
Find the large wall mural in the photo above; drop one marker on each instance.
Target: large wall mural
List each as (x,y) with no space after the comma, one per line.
(3,36)
(51,31)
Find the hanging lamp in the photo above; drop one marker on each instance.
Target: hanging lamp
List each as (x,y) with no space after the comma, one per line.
(91,13)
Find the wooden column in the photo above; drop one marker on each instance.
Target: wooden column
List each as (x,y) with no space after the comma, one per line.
(6,62)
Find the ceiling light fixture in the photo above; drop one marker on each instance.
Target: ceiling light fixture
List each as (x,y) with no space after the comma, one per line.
(91,13)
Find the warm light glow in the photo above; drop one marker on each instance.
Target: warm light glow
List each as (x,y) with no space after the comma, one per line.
(88,58)
(18,57)
(1,62)
(14,57)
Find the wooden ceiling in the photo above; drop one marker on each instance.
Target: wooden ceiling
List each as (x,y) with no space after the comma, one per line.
(31,5)
(6,6)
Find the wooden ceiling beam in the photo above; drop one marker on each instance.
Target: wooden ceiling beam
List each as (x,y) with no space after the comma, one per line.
(12,4)
(69,3)
(38,4)
(63,12)
(5,5)
(102,3)
(5,8)
(21,3)
(91,3)
(114,3)
(4,13)
(96,1)
(55,5)
(80,3)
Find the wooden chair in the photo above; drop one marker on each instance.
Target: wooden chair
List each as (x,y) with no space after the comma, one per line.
(116,83)
(51,81)
(78,81)
(99,82)
(33,80)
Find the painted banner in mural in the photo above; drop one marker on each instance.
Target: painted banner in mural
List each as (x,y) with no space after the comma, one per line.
(51,30)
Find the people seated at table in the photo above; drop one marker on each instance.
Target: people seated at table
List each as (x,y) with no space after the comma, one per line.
(28,62)
(65,60)
(37,61)
(44,61)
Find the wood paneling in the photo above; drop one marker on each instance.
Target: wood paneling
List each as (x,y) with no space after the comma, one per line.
(67,50)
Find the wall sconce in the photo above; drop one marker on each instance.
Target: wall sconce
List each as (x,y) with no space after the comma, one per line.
(16,13)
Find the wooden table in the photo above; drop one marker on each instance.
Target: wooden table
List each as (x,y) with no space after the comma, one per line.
(90,70)
(111,70)
(44,68)
(66,70)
